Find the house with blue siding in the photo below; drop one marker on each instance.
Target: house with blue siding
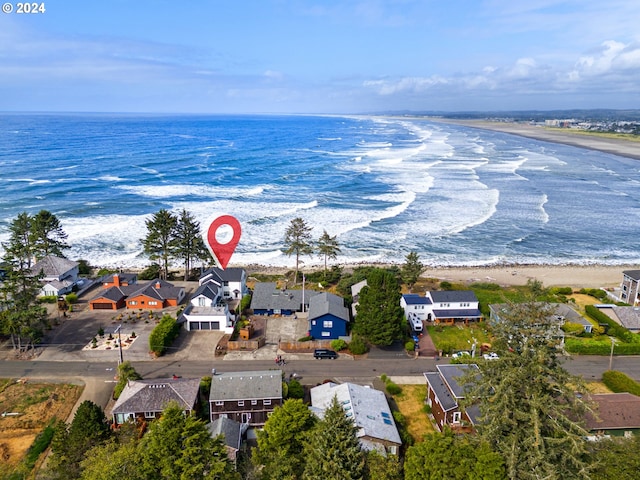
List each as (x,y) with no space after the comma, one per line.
(328,316)
(268,299)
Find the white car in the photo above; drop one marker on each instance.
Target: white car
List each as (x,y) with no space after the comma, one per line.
(461,354)
(490,356)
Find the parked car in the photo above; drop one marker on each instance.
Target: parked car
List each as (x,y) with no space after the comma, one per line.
(321,353)
(461,354)
(490,356)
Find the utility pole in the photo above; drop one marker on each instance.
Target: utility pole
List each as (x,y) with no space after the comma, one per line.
(613,342)
(117,330)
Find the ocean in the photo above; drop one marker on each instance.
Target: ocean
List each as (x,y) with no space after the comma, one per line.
(384,186)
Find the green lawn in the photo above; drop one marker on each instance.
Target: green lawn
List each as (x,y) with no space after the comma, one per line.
(459,337)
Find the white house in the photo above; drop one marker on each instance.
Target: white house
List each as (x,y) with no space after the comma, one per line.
(208,307)
(416,307)
(60,275)
(369,409)
(452,306)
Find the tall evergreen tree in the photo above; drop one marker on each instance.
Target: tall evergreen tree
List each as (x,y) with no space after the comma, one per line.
(532,412)
(411,269)
(21,316)
(47,235)
(159,243)
(333,451)
(281,441)
(69,446)
(189,245)
(328,247)
(297,240)
(379,315)
(447,456)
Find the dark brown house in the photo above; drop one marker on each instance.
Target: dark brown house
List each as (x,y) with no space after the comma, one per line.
(246,397)
(444,393)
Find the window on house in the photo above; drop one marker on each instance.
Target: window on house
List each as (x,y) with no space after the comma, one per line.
(266,402)
(254,402)
(326,334)
(313,322)
(201,302)
(327,324)
(149,415)
(457,416)
(133,302)
(241,403)
(219,403)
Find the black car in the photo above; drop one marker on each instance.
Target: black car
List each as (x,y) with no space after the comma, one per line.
(320,353)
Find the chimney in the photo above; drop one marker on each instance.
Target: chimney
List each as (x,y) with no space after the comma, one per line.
(158,284)
(116,280)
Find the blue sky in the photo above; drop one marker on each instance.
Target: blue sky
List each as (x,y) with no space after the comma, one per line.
(320,56)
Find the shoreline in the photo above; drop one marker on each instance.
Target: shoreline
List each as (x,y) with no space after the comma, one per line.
(614,146)
(575,276)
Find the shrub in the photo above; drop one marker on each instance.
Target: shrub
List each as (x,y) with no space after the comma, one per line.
(358,345)
(308,338)
(384,377)
(619,382)
(446,285)
(338,344)
(614,329)
(296,390)
(40,444)
(71,298)
(151,272)
(410,346)
(594,292)
(393,388)
(245,303)
(126,372)
(572,328)
(561,290)
(163,335)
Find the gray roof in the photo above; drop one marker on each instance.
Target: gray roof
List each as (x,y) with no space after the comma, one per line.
(154,395)
(211,290)
(158,289)
(253,385)
(124,277)
(629,316)
(452,373)
(229,429)
(436,382)
(53,266)
(448,296)
(457,313)
(267,297)
(368,408)
(219,275)
(415,299)
(327,303)
(634,274)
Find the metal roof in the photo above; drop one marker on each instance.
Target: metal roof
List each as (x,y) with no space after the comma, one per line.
(252,385)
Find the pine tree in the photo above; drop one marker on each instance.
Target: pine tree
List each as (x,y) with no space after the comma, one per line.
(532,409)
(379,315)
(297,240)
(328,247)
(411,269)
(159,243)
(280,442)
(333,451)
(188,242)
(47,235)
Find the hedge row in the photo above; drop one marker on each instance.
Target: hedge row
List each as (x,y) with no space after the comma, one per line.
(619,382)
(586,347)
(616,330)
(163,335)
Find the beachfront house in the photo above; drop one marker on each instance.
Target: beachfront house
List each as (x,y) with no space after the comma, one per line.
(328,316)
(416,307)
(452,306)
(630,287)
(155,295)
(207,310)
(268,299)
(369,410)
(60,275)
(231,281)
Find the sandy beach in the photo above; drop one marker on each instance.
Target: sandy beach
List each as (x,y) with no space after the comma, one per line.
(616,146)
(589,276)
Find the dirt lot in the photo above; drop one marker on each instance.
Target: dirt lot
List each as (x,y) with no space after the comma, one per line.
(411,404)
(36,404)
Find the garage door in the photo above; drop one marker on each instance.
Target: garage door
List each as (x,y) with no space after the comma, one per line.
(205,326)
(102,306)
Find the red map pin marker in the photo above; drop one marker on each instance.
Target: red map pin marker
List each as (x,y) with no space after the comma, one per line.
(222,251)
